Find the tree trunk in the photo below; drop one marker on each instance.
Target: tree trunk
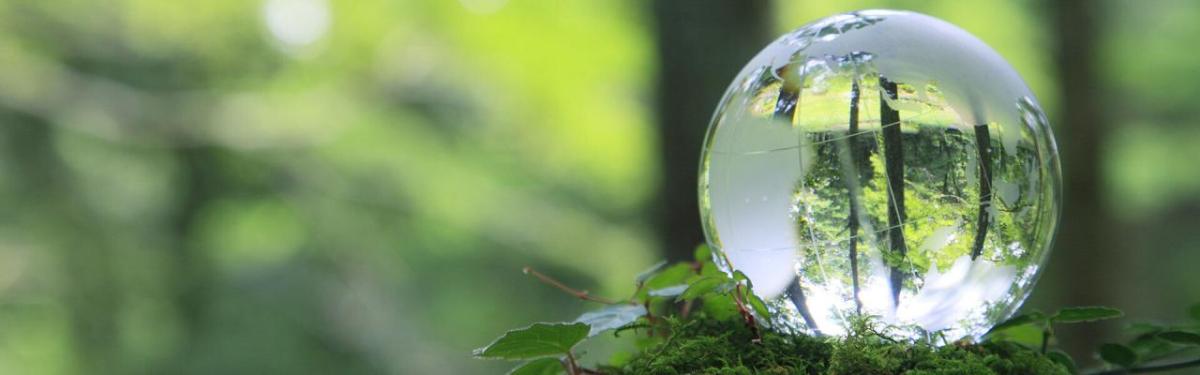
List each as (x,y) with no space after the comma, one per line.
(702,44)
(1083,263)
(983,142)
(893,155)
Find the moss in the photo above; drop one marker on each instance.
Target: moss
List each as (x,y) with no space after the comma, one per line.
(702,346)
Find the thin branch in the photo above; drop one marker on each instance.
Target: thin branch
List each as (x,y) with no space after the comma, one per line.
(581,294)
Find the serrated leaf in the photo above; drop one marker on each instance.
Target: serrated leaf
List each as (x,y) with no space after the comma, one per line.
(1029,318)
(1180,337)
(1086,314)
(611,317)
(535,341)
(650,272)
(702,253)
(544,366)
(1063,359)
(702,286)
(1118,354)
(670,291)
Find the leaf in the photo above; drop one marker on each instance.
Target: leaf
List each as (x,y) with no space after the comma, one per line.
(1194,312)
(673,275)
(670,291)
(719,307)
(1144,328)
(703,253)
(1085,314)
(611,317)
(758,305)
(1027,335)
(536,341)
(1032,317)
(650,272)
(544,366)
(1118,354)
(1149,347)
(739,276)
(1180,337)
(702,286)
(1063,359)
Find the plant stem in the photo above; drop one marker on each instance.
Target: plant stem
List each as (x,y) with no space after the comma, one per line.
(1046,334)
(581,294)
(893,152)
(572,365)
(983,142)
(747,317)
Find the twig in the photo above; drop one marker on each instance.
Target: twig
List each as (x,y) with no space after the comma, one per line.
(581,294)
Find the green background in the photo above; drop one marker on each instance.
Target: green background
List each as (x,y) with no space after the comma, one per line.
(353,186)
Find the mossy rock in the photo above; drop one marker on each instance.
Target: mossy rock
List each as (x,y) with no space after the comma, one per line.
(702,346)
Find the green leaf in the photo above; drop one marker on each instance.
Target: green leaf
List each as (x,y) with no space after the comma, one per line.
(673,275)
(1140,328)
(611,317)
(719,307)
(671,291)
(536,341)
(758,305)
(1063,359)
(1150,347)
(1194,312)
(1086,314)
(1118,354)
(1029,318)
(544,366)
(702,286)
(650,272)
(703,253)
(1027,335)
(1180,337)
(739,276)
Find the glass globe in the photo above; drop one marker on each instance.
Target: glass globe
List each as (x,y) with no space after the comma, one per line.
(882,163)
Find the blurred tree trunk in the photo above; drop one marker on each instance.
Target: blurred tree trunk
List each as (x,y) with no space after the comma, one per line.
(702,44)
(200,183)
(1083,265)
(81,248)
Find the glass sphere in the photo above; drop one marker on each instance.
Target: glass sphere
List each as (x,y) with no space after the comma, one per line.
(882,163)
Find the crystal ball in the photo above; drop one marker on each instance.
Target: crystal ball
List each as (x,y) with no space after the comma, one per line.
(886,165)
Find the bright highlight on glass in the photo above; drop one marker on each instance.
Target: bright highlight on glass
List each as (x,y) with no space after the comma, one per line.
(882,163)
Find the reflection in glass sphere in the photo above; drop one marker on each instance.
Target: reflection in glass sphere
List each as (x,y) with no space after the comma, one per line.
(882,163)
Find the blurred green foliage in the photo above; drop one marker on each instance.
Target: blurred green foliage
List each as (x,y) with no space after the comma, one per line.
(312,186)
